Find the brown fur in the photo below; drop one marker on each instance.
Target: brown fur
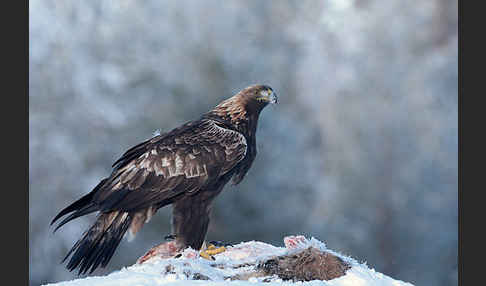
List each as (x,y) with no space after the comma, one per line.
(309,264)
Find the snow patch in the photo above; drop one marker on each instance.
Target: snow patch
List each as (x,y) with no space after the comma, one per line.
(237,261)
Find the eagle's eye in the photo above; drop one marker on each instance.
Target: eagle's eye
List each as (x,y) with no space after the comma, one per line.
(266,96)
(263,95)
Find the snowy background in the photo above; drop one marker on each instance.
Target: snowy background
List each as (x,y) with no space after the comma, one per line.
(360,153)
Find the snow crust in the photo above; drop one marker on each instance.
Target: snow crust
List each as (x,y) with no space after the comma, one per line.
(237,260)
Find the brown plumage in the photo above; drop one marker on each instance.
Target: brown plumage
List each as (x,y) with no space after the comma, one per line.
(186,167)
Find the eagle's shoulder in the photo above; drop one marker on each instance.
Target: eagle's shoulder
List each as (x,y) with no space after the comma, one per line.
(149,144)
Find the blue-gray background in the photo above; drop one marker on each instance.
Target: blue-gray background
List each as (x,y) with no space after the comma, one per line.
(361,152)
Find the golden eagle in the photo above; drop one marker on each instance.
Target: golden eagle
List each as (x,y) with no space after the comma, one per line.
(186,167)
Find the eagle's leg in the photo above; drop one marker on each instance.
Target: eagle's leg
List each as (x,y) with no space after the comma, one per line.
(190,221)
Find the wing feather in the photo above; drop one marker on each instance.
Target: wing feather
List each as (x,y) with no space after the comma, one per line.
(181,161)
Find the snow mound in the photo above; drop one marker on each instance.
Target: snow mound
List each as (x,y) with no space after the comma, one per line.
(242,264)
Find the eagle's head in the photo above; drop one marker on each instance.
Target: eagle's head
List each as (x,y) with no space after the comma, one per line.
(245,105)
(259,95)
(254,98)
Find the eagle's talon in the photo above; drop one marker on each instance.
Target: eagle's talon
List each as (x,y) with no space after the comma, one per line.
(206,255)
(211,249)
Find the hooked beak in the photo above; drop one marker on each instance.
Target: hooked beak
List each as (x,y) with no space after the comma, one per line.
(272,98)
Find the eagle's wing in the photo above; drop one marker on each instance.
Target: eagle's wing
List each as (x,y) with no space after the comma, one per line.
(157,171)
(170,165)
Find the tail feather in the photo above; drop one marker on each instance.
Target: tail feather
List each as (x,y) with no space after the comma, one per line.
(73,207)
(99,243)
(79,204)
(83,211)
